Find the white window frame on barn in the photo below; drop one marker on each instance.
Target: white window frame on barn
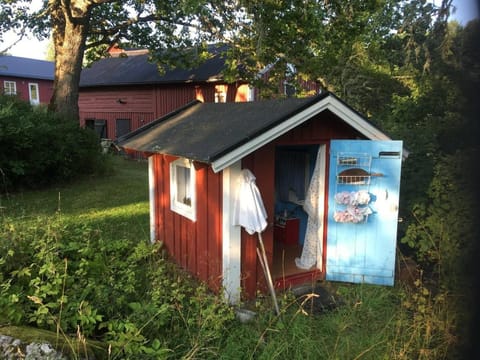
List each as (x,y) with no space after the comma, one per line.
(183,199)
(9,87)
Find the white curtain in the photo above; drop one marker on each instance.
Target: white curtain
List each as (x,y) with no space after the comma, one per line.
(314,206)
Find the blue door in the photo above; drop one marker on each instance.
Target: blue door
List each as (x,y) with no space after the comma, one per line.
(364,188)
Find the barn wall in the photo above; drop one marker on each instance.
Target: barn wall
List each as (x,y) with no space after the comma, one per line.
(45,87)
(320,129)
(142,104)
(194,245)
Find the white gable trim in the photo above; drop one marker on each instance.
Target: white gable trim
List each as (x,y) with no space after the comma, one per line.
(328,103)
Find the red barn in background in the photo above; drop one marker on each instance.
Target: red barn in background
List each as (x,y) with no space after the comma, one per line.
(125,91)
(29,79)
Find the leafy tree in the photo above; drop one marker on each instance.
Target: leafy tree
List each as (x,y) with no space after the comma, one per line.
(79,25)
(342,45)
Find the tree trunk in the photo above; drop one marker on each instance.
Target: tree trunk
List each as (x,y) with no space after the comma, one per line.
(70,29)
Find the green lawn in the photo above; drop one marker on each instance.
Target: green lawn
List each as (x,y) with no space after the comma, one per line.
(116,204)
(125,295)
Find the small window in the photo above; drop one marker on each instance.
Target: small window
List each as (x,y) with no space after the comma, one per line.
(33,93)
(10,88)
(220,93)
(122,127)
(182,188)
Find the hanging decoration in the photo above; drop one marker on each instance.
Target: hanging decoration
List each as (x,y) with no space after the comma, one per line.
(357,209)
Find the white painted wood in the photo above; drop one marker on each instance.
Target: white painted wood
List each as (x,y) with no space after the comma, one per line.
(231,234)
(151,198)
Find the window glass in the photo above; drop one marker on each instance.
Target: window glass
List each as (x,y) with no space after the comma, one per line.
(183,185)
(10,87)
(33,93)
(182,188)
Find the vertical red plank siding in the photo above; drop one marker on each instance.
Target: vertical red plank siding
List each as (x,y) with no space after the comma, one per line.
(214,221)
(261,163)
(249,257)
(202,223)
(167,213)
(195,245)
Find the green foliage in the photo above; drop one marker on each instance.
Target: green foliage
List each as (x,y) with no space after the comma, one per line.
(38,148)
(93,272)
(444,231)
(81,265)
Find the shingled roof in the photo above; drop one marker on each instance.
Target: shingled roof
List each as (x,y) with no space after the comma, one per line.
(21,67)
(139,70)
(222,133)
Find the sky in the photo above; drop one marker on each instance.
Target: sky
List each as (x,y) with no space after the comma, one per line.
(30,47)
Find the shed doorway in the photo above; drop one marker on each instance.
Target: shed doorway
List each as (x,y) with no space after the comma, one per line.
(297,255)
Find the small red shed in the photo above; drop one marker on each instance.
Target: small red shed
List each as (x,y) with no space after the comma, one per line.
(300,150)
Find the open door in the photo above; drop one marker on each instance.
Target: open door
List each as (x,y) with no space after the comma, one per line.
(363,197)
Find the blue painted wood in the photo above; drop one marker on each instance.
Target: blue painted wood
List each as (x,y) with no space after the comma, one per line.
(364,252)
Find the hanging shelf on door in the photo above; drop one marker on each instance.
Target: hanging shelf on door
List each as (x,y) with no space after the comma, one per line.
(353,169)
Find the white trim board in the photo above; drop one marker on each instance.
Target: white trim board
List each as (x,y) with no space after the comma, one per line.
(231,235)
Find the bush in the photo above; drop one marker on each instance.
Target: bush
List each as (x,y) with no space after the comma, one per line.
(38,148)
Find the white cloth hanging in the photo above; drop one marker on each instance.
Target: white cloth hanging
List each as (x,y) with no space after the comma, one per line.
(313,206)
(249,210)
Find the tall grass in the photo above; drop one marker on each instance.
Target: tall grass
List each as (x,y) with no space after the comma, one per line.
(76,259)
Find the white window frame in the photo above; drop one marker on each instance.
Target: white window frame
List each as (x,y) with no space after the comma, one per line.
(7,87)
(177,183)
(37,89)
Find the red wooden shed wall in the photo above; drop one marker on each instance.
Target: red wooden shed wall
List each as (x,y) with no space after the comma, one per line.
(194,245)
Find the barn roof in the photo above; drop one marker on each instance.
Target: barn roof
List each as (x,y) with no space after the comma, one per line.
(223,133)
(139,70)
(21,67)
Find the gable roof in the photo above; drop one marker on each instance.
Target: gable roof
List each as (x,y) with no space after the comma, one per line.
(139,70)
(223,133)
(21,67)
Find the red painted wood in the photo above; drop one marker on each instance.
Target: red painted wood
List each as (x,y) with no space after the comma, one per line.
(214,221)
(142,104)
(249,263)
(45,88)
(195,245)
(298,279)
(168,214)
(263,167)
(202,228)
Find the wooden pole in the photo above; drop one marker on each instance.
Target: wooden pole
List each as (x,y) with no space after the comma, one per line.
(263,261)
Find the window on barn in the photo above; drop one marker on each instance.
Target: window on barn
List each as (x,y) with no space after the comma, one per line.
(182,188)
(10,88)
(122,127)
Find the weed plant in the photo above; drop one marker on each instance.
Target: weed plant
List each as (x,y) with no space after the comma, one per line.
(77,260)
